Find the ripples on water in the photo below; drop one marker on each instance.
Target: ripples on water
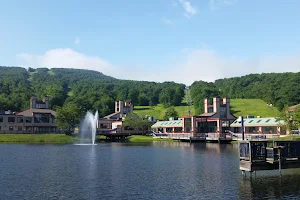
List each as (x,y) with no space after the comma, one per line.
(159,170)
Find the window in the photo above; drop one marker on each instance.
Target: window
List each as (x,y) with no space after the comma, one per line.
(1,119)
(28,119)
(258,121)
(0,127)
(20,128)
(20,120)
(178,129)
(41,118)
(267,120)
(250,121)
(11,119)
(169,130)
(11,128)
(210,110)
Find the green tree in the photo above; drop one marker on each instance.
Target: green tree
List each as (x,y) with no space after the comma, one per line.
(170,112)
(134,121)
(287,119)
(68,117)
(296,118)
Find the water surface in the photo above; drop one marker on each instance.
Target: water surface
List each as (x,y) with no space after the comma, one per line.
(160,170)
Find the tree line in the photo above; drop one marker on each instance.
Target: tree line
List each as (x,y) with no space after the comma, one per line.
(278,89)
(87,89)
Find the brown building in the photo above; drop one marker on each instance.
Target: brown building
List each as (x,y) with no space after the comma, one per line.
(114,121)
(37,119)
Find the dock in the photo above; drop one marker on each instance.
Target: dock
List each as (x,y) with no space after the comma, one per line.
(269,155)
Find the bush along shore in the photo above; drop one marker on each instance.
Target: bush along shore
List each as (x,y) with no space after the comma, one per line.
(38,138)
(144,138)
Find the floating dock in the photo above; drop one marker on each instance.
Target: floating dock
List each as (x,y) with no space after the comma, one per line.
(269,155)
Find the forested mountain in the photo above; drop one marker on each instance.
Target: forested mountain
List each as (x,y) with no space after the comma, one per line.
(88,89)
(278,89)
(93,90)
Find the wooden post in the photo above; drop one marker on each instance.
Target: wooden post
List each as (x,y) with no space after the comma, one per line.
(279,158)
(243,173)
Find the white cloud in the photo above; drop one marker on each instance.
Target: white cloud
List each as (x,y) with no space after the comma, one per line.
(214,4)
(189,9)
(186,67)
(167,21)
(207,65)
(65,58)
(77,40)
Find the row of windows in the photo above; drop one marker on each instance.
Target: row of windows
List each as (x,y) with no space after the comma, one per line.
(11,128)
(19,119)
(39,118)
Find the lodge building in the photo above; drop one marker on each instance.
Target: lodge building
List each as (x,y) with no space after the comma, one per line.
(215,119)
(37,119)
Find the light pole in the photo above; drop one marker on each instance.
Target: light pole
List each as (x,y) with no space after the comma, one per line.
(241,119)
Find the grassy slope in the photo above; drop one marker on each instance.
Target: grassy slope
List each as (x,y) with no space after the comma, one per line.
(159,110)
(256,107)
(37,138)
(239,107)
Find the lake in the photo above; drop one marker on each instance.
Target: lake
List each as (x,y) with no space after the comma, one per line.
(158,170)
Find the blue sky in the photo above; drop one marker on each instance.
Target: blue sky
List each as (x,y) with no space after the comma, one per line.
(160,40)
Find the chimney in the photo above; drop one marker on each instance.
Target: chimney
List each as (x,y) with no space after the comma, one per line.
(46,101)
(33,102)
(216,103)
(121,105)
(226,101)
(205,105)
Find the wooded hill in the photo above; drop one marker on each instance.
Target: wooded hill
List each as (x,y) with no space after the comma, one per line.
(90,90)
(278,89)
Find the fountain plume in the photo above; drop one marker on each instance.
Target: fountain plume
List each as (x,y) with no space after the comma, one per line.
(88,127)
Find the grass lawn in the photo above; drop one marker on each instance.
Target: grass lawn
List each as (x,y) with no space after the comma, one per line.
(143,138)
(239,107)
(37,138)
(255,107)
(159,110)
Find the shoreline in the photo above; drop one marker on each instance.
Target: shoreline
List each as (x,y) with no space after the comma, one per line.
(66,139)
(71,139)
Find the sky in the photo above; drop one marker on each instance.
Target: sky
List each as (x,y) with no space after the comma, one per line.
(153,40)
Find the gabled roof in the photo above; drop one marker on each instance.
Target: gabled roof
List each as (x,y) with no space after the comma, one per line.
(29,112)
(111,115)
(165,124)
(250,122)
(207,114)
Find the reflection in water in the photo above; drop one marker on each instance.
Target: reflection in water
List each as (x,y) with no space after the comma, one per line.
(159,170)
(274,187)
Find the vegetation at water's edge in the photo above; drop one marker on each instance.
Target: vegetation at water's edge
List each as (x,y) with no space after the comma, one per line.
(37,138)
(144,138)
(289,137)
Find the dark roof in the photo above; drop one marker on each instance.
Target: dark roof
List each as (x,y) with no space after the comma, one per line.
(207,114)
(29,112)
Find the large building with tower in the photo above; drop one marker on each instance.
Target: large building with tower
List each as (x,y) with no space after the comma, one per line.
(114,120)
(216,120)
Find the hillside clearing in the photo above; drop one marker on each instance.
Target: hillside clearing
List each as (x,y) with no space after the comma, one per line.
(239,107)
